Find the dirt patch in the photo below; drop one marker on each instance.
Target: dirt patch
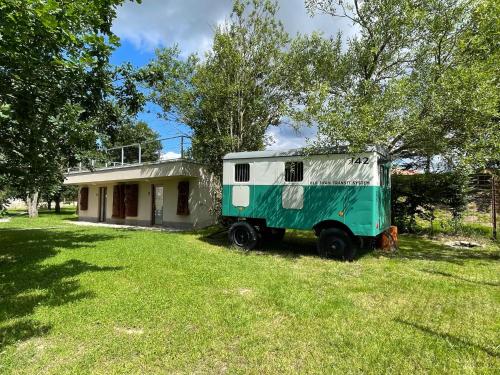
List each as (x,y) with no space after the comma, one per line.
(129,330)
(245,291)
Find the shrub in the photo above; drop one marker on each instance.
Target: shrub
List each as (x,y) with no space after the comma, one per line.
(419,195)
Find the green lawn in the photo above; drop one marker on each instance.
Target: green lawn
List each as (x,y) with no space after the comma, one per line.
(98,300)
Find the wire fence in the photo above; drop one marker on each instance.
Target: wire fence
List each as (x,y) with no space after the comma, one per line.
(484,197)
(480,217)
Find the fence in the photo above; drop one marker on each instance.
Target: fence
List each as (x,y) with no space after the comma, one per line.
(163,149)
(435,203)
(485,197)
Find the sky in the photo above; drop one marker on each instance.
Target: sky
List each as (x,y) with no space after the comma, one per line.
(190,24)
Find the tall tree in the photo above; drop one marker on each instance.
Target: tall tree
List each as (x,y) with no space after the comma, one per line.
(54,76)
(405,80)
(230,98)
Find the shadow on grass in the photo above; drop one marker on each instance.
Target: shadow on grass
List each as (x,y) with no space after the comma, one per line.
(460,278)
(71,218)
(295,244)
(26,283)
(418,248)
(449,338)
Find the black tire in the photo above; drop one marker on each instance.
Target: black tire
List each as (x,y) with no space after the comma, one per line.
(272,234)
(243,235)
(335,243)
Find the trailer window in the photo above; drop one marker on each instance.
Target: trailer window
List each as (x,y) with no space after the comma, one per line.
(242,172)
(294,171)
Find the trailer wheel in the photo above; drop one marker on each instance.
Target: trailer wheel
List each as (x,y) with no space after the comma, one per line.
(335,243)
(273,234)
(243,235)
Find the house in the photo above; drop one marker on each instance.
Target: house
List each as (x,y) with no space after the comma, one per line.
(173,193)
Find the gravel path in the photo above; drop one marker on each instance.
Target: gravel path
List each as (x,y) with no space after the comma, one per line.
(122,226)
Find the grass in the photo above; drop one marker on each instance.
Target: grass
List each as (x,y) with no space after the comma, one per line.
(98,300)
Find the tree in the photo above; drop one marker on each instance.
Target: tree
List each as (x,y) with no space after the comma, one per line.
(231,97)
(54,77)
(406,80)
(132,133)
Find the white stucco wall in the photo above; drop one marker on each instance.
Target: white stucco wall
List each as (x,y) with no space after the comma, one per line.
(92,213)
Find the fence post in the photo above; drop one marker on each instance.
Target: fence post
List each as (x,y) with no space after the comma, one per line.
(122,155)
(494,206)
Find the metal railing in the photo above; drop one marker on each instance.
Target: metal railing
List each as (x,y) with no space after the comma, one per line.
(163,149)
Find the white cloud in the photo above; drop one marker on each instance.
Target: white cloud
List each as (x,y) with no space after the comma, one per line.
(190,23)
(285,136)
(169,155)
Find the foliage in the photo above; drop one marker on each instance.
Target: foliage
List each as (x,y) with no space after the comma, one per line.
(132,133)
(4,197)
(54,76)
(420,195)
(420,78)
(104,301)
(231,97)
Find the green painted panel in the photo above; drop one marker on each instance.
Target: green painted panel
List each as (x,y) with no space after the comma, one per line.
(362,207)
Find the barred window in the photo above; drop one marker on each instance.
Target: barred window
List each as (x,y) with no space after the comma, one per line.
(242,172)
(294,171)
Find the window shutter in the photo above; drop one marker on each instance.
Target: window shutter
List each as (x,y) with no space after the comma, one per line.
(119,201)
(183,198)
(116,201)
(131,200)
(84,198)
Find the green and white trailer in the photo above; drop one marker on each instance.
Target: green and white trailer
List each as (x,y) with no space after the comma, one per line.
(344,198)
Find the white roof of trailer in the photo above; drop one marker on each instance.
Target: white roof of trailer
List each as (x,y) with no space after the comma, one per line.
(290,152)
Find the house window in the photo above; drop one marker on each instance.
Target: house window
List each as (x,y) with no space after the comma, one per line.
(183,198)
(84,198)
(242,172)
(294,171)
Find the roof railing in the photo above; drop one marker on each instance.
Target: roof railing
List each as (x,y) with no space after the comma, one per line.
(169,148)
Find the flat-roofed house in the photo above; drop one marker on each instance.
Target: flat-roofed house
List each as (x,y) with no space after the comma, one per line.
(173,193)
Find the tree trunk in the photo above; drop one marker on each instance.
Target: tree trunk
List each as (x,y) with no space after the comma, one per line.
(57,199)
(32,203)
(49,204)
(428,162)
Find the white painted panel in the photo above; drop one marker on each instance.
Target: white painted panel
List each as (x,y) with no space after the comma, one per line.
(293,197)
(359,169)
(241,195)
(335,169)
(326,169)
(267,172)
(227,173)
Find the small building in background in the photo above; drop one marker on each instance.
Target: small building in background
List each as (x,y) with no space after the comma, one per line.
(173,193)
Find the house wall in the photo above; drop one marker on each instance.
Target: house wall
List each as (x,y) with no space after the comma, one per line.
(92,213)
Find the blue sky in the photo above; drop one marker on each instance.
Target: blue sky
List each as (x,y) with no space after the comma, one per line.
(189,24)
